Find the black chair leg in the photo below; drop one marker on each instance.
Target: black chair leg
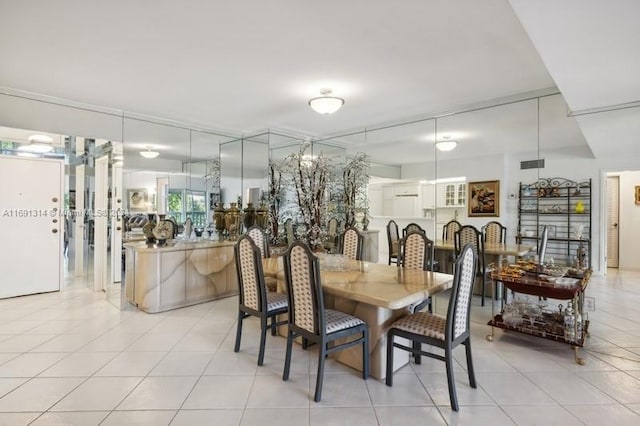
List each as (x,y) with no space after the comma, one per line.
(274,328)
(287,358)
(417,346)
(470,371)
(236,348)
(365,354)
(263,339)
(322,354)
(448,355)
(389,375)
(483,291)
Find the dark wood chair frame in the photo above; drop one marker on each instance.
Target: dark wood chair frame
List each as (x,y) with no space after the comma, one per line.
(481,270)
(503,231)
(393,258)
(428,264)
(264,250)
(319,335)
(412,227)
(360,237)
(448,344)
(245,311)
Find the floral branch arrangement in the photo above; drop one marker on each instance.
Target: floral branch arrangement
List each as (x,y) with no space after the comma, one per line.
(355,178)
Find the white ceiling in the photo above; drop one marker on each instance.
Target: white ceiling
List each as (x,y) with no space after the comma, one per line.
(248,65)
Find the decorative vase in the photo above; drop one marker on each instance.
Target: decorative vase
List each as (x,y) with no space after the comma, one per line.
(232,221)
(219,219)
(188,228)
(163,231)
(262,216)
(249,217)
(365,222)
(147,229)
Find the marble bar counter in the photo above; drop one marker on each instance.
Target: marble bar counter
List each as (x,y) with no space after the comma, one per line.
(178,274)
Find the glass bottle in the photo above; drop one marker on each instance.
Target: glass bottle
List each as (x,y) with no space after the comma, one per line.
(569,323)
(578,321)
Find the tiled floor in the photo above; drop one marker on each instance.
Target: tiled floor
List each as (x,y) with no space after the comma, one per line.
(73,358)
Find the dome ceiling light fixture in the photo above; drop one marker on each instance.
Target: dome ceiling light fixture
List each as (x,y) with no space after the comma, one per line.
(148,153)
(326,104)
(39,144)
(446,144)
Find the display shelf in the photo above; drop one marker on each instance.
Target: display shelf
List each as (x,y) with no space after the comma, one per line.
(553,202)
(549,327)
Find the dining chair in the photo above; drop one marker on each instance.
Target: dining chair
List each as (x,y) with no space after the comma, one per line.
(449,230)
(445,333)
(254,300)
(351,243)
(494,232)
(332,234)
(393,238)
(417,253)
(469,234)
(309,318)
(260,239)
(412,227)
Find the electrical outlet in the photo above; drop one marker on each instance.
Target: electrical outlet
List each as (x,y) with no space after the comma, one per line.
(589,304)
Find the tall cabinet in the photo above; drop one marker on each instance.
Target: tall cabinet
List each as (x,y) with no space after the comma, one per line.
(564,206)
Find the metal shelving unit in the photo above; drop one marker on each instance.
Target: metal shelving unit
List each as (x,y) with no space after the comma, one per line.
(564,206)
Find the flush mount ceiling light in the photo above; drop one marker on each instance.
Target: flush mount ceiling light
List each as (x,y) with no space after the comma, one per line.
(148,153)
(326,104)
(446,144)
(39,144)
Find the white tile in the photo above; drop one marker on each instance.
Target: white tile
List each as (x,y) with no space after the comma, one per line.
(223,417)
(98,394)
(158,393)
(618,385)
(25,342)
(597,415)
(273,392)
(150,418)
(85,418)
(275,417)
(500,387)
(230,392)
(228,363)
(9,384)
(438,388)
(476,416)
(406,390)
(38,394)
(200,341)
(18,327)
(111,341)
(29,364)
(131,364)
(342,390)
(346,416)
(80,364)
(64,343)
(182,364)
(527,415)
(160,342)
(402,416)
(569,389)
(15,419)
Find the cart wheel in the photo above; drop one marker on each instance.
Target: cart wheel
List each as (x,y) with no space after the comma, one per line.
(580,361)
(489,338)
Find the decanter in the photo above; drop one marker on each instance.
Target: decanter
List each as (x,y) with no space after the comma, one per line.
(569,323)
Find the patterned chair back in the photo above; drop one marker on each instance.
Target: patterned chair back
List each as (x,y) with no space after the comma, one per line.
(393,237)
(412,227)
(302,276)
(469,234)
(494,232)
(250,275)
(417,252)
(257,235)
(352,243)
(332,227)
(449,231)
(460,300)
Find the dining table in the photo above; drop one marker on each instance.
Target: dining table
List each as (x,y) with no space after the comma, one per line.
(376,293)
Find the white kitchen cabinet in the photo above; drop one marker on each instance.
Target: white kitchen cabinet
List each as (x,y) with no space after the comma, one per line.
(428,196)
(451,194)
(407,189)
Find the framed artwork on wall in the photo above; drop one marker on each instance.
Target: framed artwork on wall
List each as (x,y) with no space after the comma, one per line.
(637,194)
(484,198)
(138,199)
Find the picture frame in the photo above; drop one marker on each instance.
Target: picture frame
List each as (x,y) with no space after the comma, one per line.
(138,199)
(638,194)
(484,198)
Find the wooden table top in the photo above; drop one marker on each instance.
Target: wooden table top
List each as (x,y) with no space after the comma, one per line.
(492,248)
(385,286)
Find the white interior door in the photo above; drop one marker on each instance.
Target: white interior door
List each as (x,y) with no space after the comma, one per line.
(31,225)
(101,242)
(613,220)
